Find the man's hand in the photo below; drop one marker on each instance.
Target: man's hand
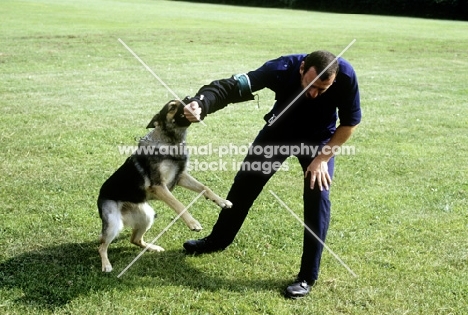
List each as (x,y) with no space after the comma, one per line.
(192,112)
(318,170)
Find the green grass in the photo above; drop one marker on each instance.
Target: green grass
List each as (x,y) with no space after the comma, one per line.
(70,94)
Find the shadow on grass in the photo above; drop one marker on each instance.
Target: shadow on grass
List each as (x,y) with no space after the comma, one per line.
(54,276)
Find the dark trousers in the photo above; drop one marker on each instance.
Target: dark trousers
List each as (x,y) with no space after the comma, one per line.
(249,183)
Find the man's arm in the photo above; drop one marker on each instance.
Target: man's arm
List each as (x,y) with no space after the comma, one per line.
(216,95)
(318,168)
(238,88)
(349,113)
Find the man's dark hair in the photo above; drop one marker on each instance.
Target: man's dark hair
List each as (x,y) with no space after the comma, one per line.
(320,59)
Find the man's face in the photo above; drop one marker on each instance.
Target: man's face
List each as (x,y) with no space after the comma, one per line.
(318,87)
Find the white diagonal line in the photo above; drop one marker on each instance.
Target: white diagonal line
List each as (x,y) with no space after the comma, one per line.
(315,235)
(160,234)
(157,78)
(311,83)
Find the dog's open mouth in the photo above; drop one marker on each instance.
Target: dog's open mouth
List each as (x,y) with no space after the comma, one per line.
(181,121)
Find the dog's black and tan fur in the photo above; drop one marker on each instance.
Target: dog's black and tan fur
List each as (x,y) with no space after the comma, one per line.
(123,197)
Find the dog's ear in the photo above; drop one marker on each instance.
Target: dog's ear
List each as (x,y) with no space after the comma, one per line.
(153,121)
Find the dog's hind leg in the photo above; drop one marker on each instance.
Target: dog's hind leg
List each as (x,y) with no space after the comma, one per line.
(187,181)
(140,218)
(111,227)
(162,193)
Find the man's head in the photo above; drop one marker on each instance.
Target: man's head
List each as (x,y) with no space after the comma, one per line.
(312,66)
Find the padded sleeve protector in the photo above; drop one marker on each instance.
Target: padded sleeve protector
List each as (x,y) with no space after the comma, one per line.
(218,94)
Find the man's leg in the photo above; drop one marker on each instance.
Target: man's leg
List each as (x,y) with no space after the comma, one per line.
(245,189)
(317,218)
(317,207)
(247,185)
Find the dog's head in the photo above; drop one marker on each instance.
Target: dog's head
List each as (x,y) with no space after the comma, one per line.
(170,116)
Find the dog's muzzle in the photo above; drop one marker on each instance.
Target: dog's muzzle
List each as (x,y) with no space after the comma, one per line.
(181,121)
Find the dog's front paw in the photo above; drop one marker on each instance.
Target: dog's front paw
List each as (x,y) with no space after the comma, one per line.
(225,204)
(195,226)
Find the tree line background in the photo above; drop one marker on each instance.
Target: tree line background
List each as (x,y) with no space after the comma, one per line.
(437,9)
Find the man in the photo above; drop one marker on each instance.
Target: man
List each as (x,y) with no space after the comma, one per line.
(306,120)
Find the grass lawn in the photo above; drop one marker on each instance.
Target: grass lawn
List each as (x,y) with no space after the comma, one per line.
(70,94)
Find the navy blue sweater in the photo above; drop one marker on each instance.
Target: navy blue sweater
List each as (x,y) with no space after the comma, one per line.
(315,118)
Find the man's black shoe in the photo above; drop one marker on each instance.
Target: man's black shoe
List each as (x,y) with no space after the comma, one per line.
(202,246)
(298,289)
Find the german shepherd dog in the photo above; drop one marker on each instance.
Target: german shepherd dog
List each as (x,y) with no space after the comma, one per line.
(123,198)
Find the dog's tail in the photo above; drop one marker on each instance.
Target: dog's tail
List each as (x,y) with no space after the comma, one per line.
(100,202)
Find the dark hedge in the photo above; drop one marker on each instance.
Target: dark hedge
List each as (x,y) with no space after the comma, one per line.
(436,9)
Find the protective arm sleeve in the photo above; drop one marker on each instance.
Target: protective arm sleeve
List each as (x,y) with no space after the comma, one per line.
(218,94)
